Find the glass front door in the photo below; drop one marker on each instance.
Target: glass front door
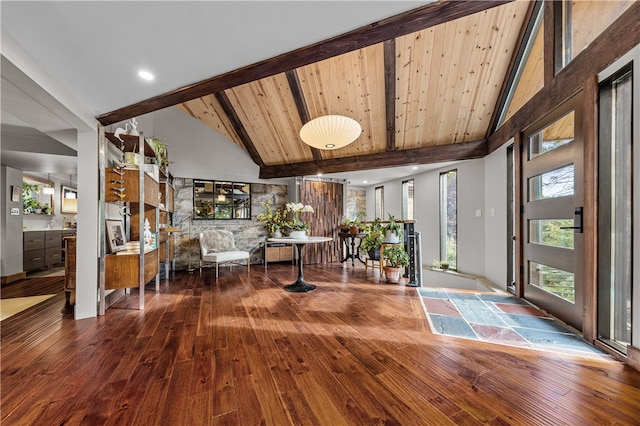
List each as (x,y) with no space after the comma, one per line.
(552,214)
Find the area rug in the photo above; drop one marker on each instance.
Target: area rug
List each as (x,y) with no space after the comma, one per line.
(500,319)
(9,307)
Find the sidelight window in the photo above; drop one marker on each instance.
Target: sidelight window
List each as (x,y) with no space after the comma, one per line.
(449,217)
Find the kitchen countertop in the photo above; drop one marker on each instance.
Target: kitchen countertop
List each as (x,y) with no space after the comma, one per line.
(49,229)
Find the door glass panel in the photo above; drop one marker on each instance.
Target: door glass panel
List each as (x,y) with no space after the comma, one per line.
(615,203)
(558,133)
(552,184)
(555,281)
(548,232)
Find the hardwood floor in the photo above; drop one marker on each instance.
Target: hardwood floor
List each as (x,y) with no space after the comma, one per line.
(242,351)
(33,287)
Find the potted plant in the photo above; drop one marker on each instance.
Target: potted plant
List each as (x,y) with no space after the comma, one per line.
(361,216)
(345,224)
(373,240)
(395,258)
(444,265)
(274,221)
(354,226)
(393,231)
(297,228)
(29,203)
(160,150)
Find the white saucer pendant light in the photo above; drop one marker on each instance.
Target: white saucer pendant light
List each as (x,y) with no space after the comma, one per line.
(330,132)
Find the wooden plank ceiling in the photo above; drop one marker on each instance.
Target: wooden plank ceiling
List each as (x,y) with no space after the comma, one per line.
(426,94)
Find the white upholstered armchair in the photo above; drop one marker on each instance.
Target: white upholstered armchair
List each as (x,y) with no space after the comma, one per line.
(218,246)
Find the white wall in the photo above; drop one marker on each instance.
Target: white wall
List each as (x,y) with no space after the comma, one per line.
(216,157)
(11,226)
(495,216)
(471,229)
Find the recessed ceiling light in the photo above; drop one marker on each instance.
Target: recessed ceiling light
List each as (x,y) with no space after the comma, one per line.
(364,181)
(145,75)
(414,168)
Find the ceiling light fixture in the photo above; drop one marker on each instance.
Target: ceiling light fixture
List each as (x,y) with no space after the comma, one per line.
(330,131)
(145,75)
(48,190)
(70,194)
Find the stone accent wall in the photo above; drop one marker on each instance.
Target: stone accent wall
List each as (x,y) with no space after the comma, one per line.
(356,201)
(249,234)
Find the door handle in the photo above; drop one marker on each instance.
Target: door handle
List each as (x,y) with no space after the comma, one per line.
(577,221)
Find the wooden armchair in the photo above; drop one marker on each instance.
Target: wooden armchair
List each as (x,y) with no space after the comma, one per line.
(218,246)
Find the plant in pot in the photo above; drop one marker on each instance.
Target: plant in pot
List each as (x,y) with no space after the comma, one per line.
(393,231)
(373,240)
(395,258)
(160,150)
(296,226)
(354,226)
(444,265)
(30,203)
(345,224)
(273,221)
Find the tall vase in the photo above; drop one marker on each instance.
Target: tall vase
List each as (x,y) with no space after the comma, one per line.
(276,234)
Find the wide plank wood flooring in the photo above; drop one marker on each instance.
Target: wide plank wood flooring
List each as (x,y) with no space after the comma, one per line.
(242,351)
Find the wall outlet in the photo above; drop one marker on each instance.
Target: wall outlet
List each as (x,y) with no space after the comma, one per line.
(15,211)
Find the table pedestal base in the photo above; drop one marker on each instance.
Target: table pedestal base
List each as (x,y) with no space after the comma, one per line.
(300,287)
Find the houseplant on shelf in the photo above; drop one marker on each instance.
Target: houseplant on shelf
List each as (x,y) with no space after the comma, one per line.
(274,221)
(373,240)
(345,224)
(395,257)
(297,228)
(393,231)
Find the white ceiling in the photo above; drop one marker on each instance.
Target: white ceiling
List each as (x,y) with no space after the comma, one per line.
(94,49)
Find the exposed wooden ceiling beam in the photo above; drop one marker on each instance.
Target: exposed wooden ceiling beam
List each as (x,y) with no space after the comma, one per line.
(301,106)
(414,20)
(615,41)
(390,92)
(222,98)
(426,155)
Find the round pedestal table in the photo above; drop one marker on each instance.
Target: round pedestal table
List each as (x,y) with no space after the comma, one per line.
(300,286)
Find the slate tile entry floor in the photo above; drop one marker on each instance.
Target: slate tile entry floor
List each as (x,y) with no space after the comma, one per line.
(501,319)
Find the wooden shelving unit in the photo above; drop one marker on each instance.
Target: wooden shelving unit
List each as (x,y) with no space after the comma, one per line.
(166,238)
(129,269)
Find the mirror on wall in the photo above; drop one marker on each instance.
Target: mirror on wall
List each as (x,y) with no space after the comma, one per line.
(69,200)
(36,196)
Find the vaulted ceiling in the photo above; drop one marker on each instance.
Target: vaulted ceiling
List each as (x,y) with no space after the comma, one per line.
(424,85)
